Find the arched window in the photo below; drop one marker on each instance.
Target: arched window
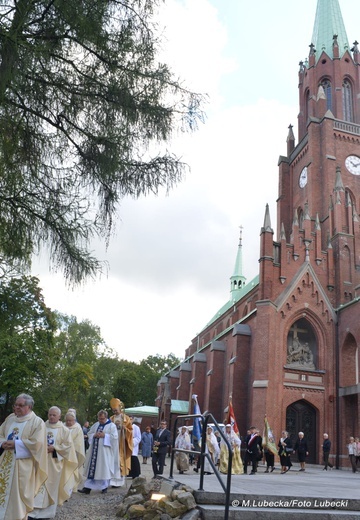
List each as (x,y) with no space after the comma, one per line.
(301,218)
(307,105)
(349,362)
(326,85)
(346,264)
(302,350)
(351,206)
(348,114)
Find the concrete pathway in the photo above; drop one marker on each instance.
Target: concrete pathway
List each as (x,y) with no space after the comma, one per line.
(314,482)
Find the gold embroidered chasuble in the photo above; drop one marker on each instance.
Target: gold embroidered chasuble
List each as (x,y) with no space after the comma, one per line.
(21,478)
(124,426)
(77,436)
(61,468)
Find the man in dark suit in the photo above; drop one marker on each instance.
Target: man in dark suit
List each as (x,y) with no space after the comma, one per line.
(253,449)
(326,451)
(162,441)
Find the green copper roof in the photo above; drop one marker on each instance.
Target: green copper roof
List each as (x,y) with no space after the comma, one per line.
(237,280)
(236,297)
(178,407)
(143,410)
(329,21)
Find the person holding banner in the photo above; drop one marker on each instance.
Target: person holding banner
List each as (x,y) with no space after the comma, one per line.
(196,432)
(237,467)
(269,446)
(270,460)
(197,429)
(230,418)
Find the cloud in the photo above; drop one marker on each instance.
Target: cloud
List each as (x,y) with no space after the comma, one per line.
(172,256)
(192,234)
(194,44)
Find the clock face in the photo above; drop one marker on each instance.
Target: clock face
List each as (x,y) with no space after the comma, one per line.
(303,177)
(352,163)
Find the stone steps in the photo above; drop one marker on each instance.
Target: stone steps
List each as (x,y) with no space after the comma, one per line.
(216,512)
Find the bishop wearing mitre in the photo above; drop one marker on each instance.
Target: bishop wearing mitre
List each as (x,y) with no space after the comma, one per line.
(125,437)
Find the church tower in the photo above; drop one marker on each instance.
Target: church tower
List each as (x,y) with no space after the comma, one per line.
(286,344)
(310,277)
(319,182)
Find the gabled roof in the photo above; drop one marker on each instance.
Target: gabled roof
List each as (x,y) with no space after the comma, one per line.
(328,22)
(306,268)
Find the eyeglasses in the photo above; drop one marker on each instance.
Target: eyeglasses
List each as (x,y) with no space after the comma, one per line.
(16,405)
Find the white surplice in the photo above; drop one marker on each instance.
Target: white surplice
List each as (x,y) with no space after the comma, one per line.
(102,457)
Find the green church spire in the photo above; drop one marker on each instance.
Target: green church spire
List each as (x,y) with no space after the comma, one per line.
(329,22)
(237,280)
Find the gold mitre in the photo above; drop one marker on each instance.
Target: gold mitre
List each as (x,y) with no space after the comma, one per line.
(116,403)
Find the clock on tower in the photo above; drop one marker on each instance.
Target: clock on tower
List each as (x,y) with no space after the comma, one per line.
(303,177)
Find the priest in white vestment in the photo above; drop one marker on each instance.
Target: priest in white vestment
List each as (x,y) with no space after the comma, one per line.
(102,457)
(23,463)
(62,463)
(77,436)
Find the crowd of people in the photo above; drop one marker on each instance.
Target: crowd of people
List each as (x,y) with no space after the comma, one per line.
(249,451)
(217,450)
(43,463)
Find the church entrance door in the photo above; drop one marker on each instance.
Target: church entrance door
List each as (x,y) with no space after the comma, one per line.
(301,417)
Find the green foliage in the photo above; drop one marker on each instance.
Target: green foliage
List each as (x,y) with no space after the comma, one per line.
(153,367)
(102,387)
(26,339)
(129,381)
(63,362)
(78,346)
(83,100)
(160,364)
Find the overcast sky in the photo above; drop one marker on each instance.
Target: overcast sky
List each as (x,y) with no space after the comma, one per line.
(172,256)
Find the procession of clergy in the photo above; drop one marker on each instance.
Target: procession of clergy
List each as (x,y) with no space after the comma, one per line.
(43,463)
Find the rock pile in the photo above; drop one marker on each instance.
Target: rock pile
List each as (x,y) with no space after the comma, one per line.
(176,501)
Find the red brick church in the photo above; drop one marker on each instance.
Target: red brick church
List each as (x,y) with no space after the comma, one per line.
(286,344)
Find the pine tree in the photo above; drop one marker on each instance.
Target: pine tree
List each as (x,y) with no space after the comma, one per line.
(83,102)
